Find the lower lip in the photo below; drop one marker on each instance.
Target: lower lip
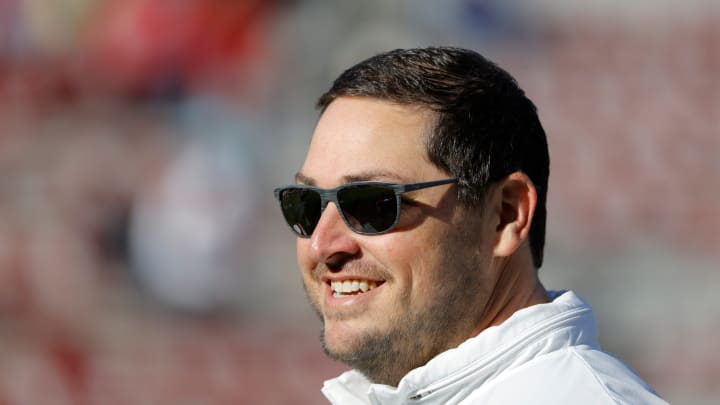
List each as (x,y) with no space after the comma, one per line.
(349,300)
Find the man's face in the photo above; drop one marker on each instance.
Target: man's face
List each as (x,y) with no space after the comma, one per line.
(430,286)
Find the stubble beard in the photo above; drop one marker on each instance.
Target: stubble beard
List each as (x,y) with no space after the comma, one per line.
(385,356)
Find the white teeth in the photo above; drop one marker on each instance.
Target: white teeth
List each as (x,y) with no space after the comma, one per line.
(340,288)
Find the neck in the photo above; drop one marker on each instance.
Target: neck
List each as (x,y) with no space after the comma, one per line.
(517,286)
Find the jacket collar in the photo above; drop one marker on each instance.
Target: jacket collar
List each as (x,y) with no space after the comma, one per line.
(565,321)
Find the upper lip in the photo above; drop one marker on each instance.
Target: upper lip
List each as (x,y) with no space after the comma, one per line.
(343,277)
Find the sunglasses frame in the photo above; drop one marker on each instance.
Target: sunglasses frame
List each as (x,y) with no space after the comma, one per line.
(331,195)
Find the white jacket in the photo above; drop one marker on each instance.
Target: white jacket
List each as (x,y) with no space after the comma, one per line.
(544,354)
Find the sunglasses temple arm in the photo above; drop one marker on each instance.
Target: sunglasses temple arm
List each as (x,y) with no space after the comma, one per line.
(417,186)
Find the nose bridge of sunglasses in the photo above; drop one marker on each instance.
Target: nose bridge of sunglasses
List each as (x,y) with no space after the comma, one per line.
(326,197)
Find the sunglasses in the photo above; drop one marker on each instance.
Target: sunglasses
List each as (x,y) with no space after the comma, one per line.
(367,207)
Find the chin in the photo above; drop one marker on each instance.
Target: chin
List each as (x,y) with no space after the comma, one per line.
(336,336)
(334,346)
(344,337)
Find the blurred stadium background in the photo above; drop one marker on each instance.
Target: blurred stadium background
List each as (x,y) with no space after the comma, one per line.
(143,259)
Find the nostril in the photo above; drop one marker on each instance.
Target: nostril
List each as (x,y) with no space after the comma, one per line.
(336,261)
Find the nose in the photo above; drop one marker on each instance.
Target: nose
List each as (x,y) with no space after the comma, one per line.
(332,242)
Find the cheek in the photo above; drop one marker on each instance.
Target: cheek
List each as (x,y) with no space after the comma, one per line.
(305,262)
(414,264)
(300,250)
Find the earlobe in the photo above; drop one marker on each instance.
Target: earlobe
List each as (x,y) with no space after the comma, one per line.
(515,203)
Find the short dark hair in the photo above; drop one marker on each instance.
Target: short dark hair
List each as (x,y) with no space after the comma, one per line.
(486,126)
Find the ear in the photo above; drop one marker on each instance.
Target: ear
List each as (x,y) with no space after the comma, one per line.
(514,202)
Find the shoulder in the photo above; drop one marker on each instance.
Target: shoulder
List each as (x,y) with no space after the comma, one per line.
(573,375)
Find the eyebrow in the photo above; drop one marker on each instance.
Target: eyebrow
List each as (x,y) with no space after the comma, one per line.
(373,175)
(303,179)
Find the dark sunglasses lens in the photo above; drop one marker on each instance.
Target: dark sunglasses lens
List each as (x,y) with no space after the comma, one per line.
(369,209)
(301,209)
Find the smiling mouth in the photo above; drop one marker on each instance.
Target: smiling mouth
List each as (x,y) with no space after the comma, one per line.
(352,287)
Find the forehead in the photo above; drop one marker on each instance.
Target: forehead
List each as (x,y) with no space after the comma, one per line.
(366,138)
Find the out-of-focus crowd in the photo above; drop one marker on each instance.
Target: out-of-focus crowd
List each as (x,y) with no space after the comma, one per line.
(143,260)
